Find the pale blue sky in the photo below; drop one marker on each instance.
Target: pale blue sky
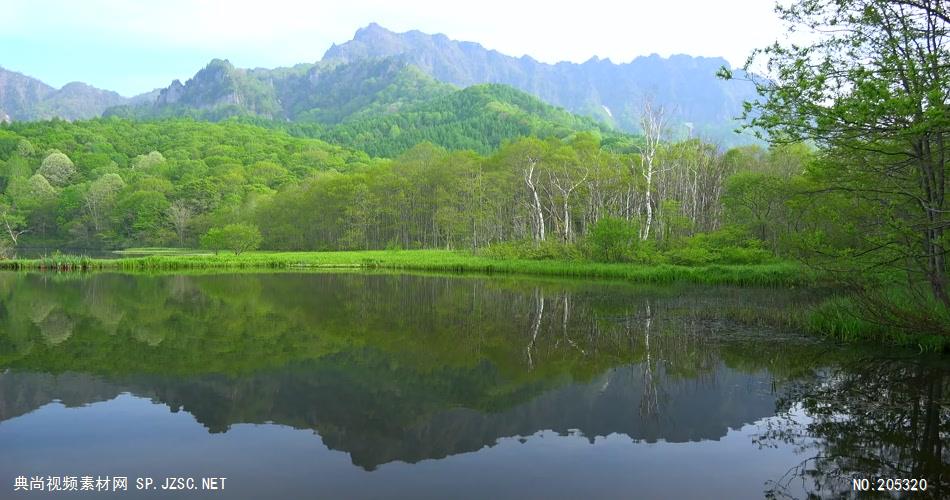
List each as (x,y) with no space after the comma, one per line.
(135,46)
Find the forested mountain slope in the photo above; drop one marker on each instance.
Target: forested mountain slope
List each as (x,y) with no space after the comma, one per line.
(480,118)
(600,88)
(380,106)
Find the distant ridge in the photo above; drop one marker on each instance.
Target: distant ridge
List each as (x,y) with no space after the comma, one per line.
(23,98)
(600,88)
(382,72)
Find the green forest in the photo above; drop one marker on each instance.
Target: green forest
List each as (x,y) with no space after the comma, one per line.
(849,177)
(115,183)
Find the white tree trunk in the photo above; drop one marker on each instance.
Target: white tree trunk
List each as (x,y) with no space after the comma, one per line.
(536,200)
(653,125)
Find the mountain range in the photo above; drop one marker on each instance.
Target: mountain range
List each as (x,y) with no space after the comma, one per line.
(23,98)
(368,81)
(612,92)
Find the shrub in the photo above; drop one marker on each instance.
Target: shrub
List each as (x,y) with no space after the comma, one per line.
(729,245)
(612,239)
(235,237)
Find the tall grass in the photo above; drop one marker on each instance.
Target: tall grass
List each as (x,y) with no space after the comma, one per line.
(891,316)
(775,274)
(54,262)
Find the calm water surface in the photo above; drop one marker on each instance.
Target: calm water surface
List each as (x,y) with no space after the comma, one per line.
(377,385)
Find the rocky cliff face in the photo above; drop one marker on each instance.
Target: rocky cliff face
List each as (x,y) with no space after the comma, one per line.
(600,88)
(19,92)
(172,94)
(325,93)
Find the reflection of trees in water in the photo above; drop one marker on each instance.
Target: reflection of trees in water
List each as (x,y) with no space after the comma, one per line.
(407,349)
(867,419)
(535,324)
(649,402)
(56,327)
(361,405)
(100,302)
(460,320)
(409,367)
(671,337)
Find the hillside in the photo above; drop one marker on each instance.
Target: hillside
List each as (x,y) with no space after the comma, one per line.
(609,91)
(480,118)
(320,93)
(23,98)
(381,106)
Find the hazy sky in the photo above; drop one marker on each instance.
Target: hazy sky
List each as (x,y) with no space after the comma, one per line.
(135,46)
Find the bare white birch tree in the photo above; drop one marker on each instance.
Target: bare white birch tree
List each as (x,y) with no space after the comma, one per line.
(653,125)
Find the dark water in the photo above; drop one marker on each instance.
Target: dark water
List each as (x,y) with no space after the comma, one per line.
(370,386)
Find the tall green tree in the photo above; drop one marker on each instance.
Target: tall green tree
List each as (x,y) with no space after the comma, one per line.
(872,91)
(57,168)
(235,237)
(100,198)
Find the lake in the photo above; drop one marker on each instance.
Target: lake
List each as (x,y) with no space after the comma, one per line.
(369,385)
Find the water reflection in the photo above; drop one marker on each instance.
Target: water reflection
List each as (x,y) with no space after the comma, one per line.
(870,418)
(397,368)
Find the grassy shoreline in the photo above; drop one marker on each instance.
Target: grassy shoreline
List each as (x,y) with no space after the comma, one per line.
(777,274)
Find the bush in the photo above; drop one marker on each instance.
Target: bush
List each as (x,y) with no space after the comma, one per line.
(235,237)
(612,239)
(729,245)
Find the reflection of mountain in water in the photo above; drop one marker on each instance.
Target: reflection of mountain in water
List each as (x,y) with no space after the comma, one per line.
(376,427)
(691,410)
(21,393)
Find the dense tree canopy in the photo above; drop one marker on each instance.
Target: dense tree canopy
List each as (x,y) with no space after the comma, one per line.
(122,183)
(872,91)
(113,183)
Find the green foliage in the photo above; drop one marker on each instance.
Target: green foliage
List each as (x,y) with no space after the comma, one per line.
(730,245)
(116,180)
(480,118)
(890,315)
(25,149)
(167,182)
(144,162)
(870,91)
(38,191)
(140,215)
(213,240)
(235,237)
(57,168)
(7,249)
(613,239)
(545,250)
